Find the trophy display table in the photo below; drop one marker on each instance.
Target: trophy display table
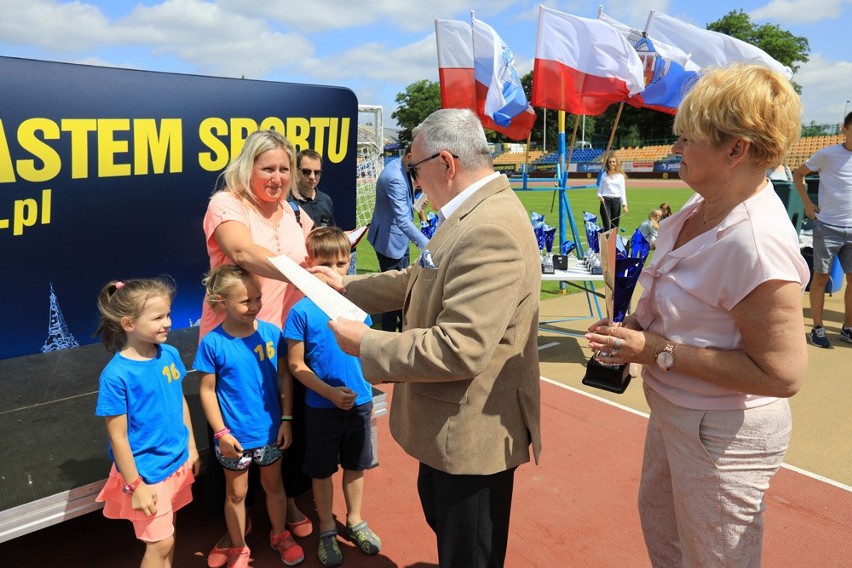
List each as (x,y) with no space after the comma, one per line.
(578,276)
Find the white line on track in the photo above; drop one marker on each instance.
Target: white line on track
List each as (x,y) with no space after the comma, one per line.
(799,470)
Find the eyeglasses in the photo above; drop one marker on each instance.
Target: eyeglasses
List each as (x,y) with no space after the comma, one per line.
(307,172)
(415,167)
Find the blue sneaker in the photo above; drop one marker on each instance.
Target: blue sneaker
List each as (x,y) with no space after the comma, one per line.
(819,339)
(846,334)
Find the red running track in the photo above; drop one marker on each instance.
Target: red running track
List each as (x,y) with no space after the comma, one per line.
(577,508)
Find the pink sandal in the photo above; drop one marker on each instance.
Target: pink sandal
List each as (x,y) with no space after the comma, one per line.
(218,557)
(301,528)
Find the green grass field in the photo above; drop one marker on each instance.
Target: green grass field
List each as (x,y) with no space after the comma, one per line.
(642,198)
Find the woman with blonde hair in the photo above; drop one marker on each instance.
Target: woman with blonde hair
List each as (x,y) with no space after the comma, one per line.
(612,192)
(719,327)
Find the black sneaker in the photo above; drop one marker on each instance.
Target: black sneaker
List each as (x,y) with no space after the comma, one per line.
(819,339)
(846,334)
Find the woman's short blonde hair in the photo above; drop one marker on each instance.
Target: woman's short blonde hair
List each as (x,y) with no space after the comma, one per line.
(745,101)
(237,175)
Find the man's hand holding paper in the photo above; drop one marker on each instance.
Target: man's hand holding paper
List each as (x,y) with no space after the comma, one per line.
(348,334)
(329,301)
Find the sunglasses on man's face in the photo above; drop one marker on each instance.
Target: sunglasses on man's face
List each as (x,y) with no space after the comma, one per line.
(307,172)
(414,168)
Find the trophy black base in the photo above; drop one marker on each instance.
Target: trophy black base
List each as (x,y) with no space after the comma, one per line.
(612,378)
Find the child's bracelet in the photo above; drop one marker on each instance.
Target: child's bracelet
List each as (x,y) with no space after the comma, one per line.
(286,418)
(221,433)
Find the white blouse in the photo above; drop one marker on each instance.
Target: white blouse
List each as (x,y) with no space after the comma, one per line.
(613,185)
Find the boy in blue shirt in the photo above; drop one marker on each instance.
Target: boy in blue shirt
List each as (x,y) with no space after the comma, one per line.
(338,406)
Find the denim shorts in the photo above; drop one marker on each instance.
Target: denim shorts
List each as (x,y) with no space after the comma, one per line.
(338,436)
(828,242)
(264,455)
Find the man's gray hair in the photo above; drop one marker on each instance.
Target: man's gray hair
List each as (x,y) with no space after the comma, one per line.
(458,131)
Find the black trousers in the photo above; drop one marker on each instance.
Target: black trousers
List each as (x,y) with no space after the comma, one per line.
(392,321)
(469,514)
(610,213)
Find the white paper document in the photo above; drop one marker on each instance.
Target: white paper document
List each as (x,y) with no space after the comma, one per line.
(326,298)
(356,235)
(420,202)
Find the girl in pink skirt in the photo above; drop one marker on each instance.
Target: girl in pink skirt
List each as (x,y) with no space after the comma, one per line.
(151,443)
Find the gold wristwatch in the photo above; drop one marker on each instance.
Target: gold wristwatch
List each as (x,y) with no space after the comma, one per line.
(665,358)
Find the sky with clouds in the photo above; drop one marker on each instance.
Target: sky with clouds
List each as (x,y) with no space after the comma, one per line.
(375,48)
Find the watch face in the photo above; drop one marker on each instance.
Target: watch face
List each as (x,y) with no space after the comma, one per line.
(665,360)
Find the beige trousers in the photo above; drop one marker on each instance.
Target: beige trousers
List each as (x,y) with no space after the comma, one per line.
(704,475)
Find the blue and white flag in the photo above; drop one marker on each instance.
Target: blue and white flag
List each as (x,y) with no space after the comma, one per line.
(669,71)
(494,69)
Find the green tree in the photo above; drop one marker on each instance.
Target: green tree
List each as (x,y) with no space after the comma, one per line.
(419,100)
(537,134)
(788,49)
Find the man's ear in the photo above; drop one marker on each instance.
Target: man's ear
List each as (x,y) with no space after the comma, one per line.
(448,159)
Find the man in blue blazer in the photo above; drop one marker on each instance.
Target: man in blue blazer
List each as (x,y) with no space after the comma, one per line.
(392,227)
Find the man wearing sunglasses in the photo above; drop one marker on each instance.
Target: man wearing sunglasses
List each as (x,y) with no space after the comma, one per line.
(317,204)
(392,228)
(467,401)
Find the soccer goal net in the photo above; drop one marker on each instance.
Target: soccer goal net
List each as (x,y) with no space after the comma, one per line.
(370,161)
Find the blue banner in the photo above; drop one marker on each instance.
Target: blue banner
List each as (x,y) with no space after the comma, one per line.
(666,166)
(106,173)
(588,167)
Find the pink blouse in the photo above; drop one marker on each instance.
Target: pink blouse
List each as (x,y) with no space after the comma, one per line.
(285,238)
(689,292)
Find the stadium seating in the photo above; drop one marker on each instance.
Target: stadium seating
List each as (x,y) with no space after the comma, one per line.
(578,155)
(643,153)
(805,147)
(800,152)
(517,158)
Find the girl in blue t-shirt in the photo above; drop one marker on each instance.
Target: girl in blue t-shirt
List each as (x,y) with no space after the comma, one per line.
(243,392)
(151,443)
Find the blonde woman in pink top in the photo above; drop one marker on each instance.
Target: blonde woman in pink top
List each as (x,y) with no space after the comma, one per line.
(248,220)
(718,327)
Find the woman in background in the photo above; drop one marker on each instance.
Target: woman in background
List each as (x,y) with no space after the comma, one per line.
(612,193)
(650,227)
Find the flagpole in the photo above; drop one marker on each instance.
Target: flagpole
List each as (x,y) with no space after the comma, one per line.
(573,140)
(614,126)
(562,174)
(526,159)
(438,53)
(648,22)
(568,166)
(563,182)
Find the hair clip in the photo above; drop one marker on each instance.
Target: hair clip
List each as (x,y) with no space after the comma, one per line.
(119,285)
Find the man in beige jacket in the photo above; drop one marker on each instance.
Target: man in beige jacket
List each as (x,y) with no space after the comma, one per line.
(467,405)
